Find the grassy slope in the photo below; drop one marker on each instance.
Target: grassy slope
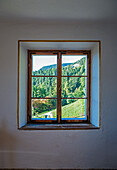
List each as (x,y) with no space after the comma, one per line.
(71,110)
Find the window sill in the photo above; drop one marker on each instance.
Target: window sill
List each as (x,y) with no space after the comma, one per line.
(58,127)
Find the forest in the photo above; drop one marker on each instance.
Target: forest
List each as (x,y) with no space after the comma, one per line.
(72,87)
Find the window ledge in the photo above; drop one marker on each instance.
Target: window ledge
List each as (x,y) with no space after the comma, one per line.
(67,126)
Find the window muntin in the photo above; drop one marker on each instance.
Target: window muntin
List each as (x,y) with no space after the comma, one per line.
(57,106)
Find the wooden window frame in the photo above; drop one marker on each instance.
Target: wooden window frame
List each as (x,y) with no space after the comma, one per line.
(59,76)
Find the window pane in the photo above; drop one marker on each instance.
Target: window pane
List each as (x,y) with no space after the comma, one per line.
(74,87)
(44,109)
(74,108)
(44,87)
(44,65)
(74,65)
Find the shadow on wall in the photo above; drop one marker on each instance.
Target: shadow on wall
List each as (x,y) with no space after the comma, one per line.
(7,146)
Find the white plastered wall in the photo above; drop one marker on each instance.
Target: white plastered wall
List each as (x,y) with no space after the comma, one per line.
(82,149)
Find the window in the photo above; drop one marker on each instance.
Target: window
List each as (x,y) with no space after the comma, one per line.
(59,86)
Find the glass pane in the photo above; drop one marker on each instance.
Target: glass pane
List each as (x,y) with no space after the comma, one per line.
(74,87)
(44,65)
(74,65)
(44,109)
(74,108)
(44,87)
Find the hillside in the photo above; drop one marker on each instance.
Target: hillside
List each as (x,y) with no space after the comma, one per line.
(47,86)
(45,69)
(73,110)
(54,66)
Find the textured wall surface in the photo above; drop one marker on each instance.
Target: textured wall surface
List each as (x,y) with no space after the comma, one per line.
(57,149)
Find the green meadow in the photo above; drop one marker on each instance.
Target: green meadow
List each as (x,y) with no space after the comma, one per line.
(72,110)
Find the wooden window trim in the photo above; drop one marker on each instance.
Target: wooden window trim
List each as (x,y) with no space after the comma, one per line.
(59,52)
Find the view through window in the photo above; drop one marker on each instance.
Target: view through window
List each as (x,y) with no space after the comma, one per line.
(58,86)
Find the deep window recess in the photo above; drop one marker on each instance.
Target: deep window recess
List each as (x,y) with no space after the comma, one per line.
(58,86)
